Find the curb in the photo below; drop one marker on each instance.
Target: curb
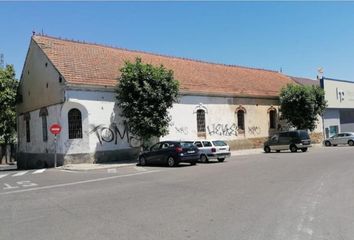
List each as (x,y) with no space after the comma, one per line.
(89,167)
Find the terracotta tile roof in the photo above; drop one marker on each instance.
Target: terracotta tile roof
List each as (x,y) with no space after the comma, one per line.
(92,64)
(305,81)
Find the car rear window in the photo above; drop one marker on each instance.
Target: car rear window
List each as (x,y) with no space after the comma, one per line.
(187,144)
(304,135)
(219,143)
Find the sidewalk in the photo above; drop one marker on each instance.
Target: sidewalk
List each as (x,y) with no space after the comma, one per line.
(6,167)
(95,166)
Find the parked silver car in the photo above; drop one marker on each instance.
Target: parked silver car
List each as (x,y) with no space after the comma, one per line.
(212,149)
(340,138)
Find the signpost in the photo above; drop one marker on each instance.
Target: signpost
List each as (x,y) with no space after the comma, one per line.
(55,129)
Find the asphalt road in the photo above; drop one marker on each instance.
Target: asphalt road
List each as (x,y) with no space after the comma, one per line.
(283,196)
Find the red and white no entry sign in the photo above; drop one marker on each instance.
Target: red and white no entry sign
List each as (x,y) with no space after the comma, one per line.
(55,128)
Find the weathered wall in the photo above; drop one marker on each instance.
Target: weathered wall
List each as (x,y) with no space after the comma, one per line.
(221,119)
(39,85)
(36,144)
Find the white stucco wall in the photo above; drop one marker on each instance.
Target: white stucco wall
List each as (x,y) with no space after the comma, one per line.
(36,144)
(221,119)
(104,130)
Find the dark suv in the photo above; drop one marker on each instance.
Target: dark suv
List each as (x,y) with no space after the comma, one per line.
(170,153)
(291,140)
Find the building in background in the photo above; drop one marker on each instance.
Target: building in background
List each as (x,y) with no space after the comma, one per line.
(339,114)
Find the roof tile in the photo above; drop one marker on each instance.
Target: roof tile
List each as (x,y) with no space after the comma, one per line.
(92,64)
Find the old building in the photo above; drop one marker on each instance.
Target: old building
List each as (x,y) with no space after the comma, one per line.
(72,83)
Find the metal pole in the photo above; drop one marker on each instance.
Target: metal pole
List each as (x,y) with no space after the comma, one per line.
(55,150)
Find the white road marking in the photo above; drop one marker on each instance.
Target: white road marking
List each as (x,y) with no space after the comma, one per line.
(112,170)
(20,174)
(8,186)
(3,175)
(77,183)
(39,171)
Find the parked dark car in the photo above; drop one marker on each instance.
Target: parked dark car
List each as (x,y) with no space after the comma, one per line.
(170,153)
(291,140)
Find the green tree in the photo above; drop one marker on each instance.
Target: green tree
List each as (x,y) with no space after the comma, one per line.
(144,95)
(8,89)
(300,105)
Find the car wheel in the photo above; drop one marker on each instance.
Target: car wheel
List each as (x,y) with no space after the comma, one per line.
(293,148)
(142,161)
(221,159)
(204,159)
(328,143)
(267,149)
(278,151)
(171,162)
(304,149)
(351,143)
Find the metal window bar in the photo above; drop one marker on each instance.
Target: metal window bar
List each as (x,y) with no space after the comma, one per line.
(201,121)
(44,128)
(28,133)
(241,120)
(272,119)
(75,124)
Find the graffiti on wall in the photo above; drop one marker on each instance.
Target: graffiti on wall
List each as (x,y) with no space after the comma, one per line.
(254,130)
(222,129)
(182,130)
(179,130)
(109,134)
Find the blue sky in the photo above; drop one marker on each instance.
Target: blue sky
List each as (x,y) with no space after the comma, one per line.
(298,37)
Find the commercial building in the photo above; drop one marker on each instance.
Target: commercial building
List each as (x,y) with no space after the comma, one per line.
(339,115)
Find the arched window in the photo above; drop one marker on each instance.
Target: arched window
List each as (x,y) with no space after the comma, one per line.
(201,121)
(241,119)
(75,123)
(272,119)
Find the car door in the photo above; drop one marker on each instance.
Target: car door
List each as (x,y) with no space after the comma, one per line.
(199,145)
(164,152)
(274,142)
(339,139)
(345,138)
(284,141)
(207,147)
(152,155)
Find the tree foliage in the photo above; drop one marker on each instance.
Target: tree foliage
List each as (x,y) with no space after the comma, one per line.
(144,95)
(300,106)
(8,89)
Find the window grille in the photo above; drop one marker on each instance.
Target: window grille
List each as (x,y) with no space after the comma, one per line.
(201,121)
(241,120)
(28,133)
(272,119)
(44,128)
(75,124)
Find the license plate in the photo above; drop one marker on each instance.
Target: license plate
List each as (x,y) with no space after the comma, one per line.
(191,152)
(222,148)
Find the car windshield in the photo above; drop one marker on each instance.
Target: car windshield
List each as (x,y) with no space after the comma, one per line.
(186,144)
(219,143)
